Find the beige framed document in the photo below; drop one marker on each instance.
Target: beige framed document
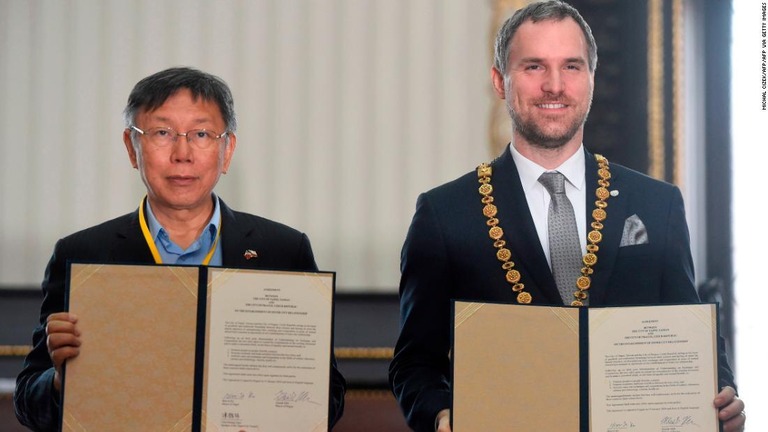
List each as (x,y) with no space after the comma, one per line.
(136,368)
(612,369)
(178,348)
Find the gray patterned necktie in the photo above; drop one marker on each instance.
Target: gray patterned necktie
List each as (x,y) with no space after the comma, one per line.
(564,248)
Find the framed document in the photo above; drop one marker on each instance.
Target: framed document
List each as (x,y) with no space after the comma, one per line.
(612,369)
(136,368)
(269,351)
(172,348)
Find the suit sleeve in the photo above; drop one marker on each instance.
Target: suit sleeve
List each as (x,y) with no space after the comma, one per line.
(306,260)
(678,277)
(420,370)
(36,402)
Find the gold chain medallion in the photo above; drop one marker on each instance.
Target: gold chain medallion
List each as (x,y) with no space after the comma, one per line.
(583,282)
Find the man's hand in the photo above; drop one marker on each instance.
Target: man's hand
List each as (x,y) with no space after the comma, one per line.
(731,410)
(443,421)
(63,341)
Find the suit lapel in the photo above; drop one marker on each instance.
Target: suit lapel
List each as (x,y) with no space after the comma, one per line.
(232,255)
(613,226)
(236,239)
(130,245)
(520,231)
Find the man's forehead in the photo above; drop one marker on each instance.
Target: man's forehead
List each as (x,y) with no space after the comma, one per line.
(549,36)
(565,21)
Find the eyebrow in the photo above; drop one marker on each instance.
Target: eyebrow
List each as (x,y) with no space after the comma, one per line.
(579,60)
(167,120)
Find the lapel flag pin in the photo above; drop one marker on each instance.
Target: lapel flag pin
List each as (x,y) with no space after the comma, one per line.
(250,253)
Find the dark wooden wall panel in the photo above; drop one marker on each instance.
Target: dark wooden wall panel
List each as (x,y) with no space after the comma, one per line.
(617,124)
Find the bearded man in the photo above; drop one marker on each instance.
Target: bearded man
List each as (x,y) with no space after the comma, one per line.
(485,236)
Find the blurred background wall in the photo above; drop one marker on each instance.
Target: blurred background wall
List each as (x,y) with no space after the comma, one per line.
(347,110)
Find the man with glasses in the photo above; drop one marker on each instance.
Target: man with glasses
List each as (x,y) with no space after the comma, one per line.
(180,136)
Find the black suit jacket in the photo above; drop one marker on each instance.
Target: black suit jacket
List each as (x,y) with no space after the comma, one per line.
(448,254)
(121,241)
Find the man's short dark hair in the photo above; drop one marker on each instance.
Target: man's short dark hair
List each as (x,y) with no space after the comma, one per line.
(152,92)
(550,10)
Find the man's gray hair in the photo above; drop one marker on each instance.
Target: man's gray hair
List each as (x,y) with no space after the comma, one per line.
(152,92)
(549,10)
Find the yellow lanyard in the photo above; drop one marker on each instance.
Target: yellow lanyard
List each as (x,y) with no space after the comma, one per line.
(153,246)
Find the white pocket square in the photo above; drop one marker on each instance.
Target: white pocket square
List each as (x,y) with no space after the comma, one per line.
(634,232)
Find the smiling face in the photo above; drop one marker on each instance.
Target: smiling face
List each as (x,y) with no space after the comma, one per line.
(181,176)
(548,85)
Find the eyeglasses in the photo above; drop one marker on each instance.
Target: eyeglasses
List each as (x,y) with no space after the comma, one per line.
(165,136)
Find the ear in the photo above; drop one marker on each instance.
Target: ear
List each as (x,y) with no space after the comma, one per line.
(498,83)
(228,152)
(129,148)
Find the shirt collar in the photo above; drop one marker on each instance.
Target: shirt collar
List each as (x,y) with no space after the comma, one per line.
(213,224)
(573,169)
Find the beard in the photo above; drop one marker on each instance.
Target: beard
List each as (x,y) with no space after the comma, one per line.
(533,132)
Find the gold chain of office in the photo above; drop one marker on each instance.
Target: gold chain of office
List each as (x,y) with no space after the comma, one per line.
(583,282)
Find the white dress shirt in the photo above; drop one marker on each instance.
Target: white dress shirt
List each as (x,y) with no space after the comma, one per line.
(538,198)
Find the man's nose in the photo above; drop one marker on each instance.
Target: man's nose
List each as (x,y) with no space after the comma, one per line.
(553,82)
(182,149)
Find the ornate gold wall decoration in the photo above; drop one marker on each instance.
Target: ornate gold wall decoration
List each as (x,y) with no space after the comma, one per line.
(364,353)
(656,89)
(500,126)
(14,350)
(678,95)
